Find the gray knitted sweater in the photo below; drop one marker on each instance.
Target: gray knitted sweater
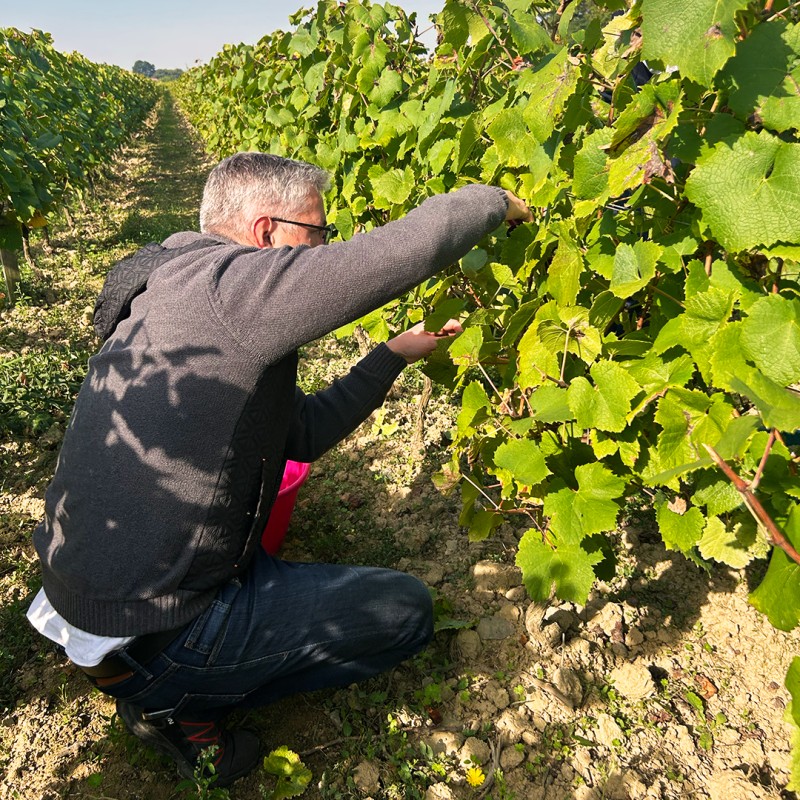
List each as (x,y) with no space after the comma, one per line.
(175,449)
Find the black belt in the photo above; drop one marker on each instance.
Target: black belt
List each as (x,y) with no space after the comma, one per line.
(142,649)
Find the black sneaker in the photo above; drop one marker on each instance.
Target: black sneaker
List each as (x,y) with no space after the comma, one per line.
(182,740)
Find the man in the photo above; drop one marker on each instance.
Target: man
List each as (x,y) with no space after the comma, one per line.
(153,578)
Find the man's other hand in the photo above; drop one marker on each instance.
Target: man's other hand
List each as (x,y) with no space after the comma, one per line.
(517,210)
(416,342)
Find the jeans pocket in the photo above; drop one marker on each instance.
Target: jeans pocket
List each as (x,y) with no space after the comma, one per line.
(198,705)
(208,631)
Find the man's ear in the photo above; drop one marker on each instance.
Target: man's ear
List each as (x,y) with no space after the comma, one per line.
(262,232)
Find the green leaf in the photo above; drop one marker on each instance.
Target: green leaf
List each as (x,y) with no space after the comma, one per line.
(523,459)
(474,405)
(482,524)
(779,407)
(747,191)
(528,36)
(448,309)
(567,569)
(465,350)
(591,171)
(634,267)
(515,146)
(293,776)
(389,84)
(697,39)
(792,683)
(550,404)
(729,544)
(770,335)
(679,531)
(606,404)
(391,187)
(549,87)
(778,595)
(764,76)
(563,277)
(718,495)
(591,509)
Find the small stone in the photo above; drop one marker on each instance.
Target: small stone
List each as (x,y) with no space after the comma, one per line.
(439,791)
(733,784)
(491,576)
(608,732)
(534,620)
(367,777)
(497,696)
(517,594)
(609,621)
(466,645)
(511,757)
(569,684)
(634,637)
(495,628)
(633,681)
(446,743)
(564,619)
(473,752)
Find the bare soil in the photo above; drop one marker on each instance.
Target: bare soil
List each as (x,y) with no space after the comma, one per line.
(667,684)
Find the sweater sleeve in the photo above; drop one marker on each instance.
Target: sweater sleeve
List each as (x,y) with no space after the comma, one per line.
(274,300)
(323,419)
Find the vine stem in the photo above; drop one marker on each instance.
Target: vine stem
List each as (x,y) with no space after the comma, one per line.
(781,12)
(774,534)
(760,471)
(503,404)
(491,30)
(566,351)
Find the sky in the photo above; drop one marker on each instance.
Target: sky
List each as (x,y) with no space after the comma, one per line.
(168,33)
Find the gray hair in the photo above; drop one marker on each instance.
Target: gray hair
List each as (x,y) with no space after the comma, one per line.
(244,183)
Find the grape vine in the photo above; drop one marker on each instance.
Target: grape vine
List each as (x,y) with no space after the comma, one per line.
(642,338)
(62,118)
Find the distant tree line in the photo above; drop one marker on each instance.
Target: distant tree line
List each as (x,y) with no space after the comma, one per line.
(149,71)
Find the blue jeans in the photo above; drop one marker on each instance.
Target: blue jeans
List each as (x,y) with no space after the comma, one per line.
(283,628)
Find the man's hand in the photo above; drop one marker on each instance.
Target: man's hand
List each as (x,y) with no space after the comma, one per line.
(517,210)
(416,342)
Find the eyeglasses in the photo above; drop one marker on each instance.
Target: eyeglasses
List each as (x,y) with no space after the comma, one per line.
(327,231)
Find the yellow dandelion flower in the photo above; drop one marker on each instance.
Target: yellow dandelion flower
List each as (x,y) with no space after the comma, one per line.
(475,776)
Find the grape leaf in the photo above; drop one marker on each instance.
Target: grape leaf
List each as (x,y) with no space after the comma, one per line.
(563,281)
(591,173)
(606,404)
(474,405)
(764,76)
(567,568)
(778,595)
(730,544)
(634,267)
(679,531)
(697,36)
(747,191)
(779,407)
(393,186)
(523,459)
(771,337)
(549,404)
(549,89)
(591,509)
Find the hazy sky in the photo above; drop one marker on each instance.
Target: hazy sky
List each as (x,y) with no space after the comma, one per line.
(167,33)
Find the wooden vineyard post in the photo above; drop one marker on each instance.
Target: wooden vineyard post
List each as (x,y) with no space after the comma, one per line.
(10,273)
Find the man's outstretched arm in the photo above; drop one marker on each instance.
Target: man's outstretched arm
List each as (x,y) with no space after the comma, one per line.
(323,419)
